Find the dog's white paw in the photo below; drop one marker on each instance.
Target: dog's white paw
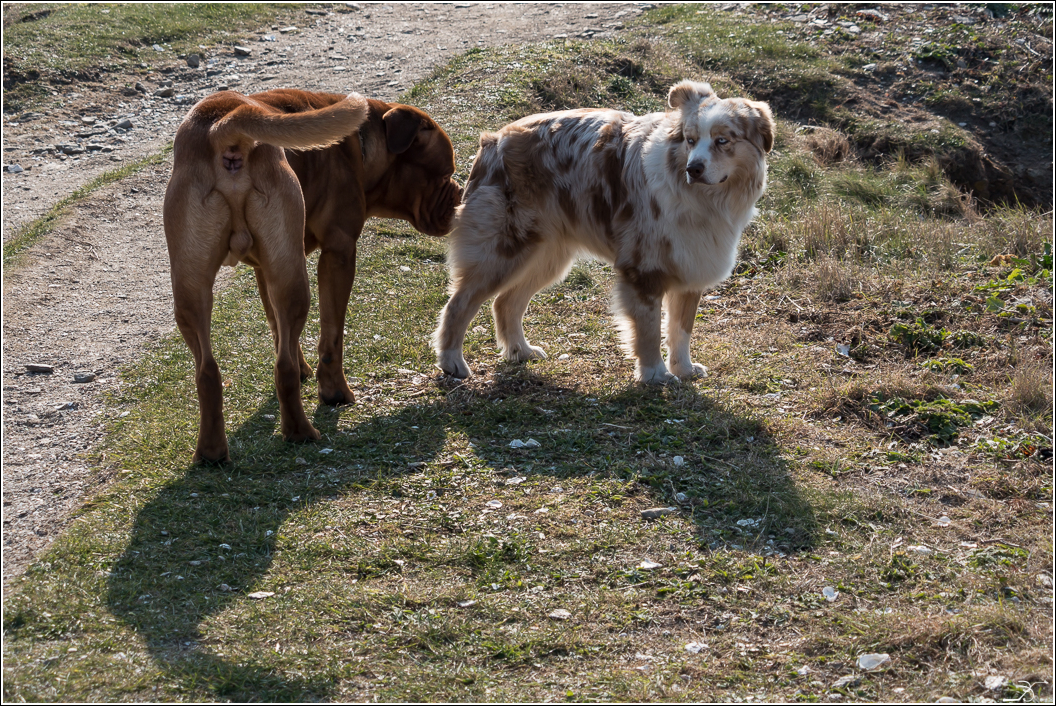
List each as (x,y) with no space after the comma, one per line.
(656,375)
(453,364)
(692,370)
(520,354)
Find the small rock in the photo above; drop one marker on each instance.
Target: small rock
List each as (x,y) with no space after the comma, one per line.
(39,368)
(845,681)
(830,593)
(872,15)
(300,461)
(869,67)
(326,451)
(284,30)
(678,461)
(530,444)
(225,546)
(655,512)
(83,377)
(260,595)
(1045,580)
(681,497)
(919,549)
(141,88)
(268,38)
(14,169)
(695,647)
(559,614)
(165,92)
(563,356)
(516,480)
(158,47)
(243,51)
(466,604)
(315,12)
(493,504)
(995,682)
(648,565)
(873,660)
(193,60)
(224,587)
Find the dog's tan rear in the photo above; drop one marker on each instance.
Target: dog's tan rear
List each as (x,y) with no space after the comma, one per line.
(664,197)
(234,198)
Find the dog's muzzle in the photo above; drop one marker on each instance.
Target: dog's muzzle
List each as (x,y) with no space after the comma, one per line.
(438,212)
(695,172)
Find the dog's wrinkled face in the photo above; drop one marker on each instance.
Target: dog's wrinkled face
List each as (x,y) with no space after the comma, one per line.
(425,162)
(715,140)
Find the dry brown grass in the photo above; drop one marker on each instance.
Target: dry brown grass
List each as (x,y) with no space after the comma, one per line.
(1030,389)
(827,145)
(835,280)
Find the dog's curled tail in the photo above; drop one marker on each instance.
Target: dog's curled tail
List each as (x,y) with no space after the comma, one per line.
(307,130)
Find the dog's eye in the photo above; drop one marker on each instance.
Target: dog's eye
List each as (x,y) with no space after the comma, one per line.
(691,141)
(721,141)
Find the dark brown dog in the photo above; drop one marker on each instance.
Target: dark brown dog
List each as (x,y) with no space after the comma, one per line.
(399,165)
(233,197)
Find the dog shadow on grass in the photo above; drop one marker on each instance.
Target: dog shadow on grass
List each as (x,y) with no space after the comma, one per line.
(205,543)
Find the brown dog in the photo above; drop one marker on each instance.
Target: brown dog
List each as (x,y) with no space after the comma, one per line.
(399,165)
(233,196)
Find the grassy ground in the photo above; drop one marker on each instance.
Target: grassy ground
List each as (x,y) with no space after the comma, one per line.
(47,44)
(877,421)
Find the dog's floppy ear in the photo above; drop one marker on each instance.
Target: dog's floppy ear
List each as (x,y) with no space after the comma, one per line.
(761,132)
(686,91)
(401,127)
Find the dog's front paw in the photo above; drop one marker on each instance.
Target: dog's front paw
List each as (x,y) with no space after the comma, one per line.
(303,431)
(655,375)
(692,370)
(520,354)
(452,363)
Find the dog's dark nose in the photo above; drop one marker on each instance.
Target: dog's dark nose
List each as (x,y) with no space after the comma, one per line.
(695,170)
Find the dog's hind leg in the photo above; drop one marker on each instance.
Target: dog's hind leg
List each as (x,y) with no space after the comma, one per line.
(196,250)
(269,311)
(277,223)
(290,295)
(509,307)
(681,310)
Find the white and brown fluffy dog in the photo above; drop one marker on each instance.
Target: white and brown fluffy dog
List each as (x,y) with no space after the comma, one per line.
(663,197)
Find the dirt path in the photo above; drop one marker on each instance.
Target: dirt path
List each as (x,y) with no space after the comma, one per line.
(95,291)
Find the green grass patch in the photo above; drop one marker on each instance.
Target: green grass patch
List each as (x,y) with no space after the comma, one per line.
(69,38)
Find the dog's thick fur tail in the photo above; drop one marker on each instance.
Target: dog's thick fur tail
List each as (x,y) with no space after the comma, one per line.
(307,130)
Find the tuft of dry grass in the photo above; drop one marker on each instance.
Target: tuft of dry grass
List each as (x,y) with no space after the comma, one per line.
(828,146)
(835,280)
(1030,389)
